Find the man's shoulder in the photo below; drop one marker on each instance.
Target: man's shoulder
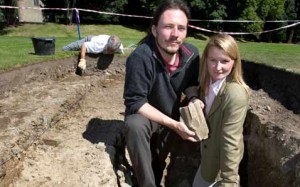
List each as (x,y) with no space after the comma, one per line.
(189,45)
(143,49)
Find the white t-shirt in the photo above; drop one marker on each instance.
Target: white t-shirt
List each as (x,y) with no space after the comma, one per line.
(98,43)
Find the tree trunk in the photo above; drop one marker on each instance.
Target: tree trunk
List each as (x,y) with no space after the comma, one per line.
(290,35)
(70,4)
(10,14)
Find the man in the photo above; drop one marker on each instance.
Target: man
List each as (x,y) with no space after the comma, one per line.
(158,71)
(95,44)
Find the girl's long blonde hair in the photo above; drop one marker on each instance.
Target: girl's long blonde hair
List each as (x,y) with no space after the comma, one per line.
(229,45)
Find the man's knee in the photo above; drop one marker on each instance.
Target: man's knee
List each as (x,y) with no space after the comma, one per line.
(136,124)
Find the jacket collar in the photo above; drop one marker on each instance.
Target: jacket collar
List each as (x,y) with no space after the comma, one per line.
(218,99)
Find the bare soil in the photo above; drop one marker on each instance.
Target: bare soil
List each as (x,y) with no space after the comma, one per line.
(61,129)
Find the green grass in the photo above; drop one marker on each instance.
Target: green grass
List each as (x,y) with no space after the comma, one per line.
(283,56)
(16,47)
(17,50)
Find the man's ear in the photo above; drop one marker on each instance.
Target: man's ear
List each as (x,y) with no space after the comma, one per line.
(153,29)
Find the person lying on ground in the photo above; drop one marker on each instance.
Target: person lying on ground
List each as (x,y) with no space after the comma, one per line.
(105,44)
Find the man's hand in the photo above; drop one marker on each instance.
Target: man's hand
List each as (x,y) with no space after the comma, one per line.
(184,132)
(198,102)
(180,128)
(82,64)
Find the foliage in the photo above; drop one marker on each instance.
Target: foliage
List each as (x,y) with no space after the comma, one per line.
(141,7)
(70,4)
(54,15)
(114,6)
(271,10)
(10,15)
(249,13)
(209,10)
(258,11)
(292,12)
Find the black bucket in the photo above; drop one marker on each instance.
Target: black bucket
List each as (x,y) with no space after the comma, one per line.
(44,46)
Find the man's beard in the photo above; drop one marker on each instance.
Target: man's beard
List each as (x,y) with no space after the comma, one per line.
(166,50)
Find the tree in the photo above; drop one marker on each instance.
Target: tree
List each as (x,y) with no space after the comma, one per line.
(249,13)
(54,15)
(57,15)
(292,12)
(297,30)
(209,10)
(272,10)
(10,14)
(70,4)
(111,6)
(140,8)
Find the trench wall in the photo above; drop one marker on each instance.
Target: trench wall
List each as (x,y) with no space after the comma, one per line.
(271,157)
(281,85)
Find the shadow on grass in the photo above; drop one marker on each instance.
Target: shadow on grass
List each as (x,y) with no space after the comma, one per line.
(2,27)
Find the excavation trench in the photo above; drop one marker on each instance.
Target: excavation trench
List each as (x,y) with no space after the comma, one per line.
(61,129)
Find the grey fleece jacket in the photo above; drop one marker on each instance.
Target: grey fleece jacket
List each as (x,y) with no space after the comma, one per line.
(148,80)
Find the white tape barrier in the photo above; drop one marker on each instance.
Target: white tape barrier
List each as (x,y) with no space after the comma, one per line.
(245,33)
(296,22)
(246,21)
(78,9)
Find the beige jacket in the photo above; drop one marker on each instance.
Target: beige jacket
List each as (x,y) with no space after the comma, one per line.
(222,152)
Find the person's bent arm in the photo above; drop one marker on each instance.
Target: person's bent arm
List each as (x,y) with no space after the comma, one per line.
(83,51)
(192,93)
(82,61)
(155,115)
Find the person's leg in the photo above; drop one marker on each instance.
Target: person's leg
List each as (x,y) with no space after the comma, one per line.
(75,46)
(162,143)
(138,132)
(200,182)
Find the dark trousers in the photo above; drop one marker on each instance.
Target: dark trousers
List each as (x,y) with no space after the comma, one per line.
(148,145)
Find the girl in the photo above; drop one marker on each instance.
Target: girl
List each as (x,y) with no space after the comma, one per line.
(226,99)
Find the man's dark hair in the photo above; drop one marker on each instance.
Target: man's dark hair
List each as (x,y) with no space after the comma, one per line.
(166,5)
